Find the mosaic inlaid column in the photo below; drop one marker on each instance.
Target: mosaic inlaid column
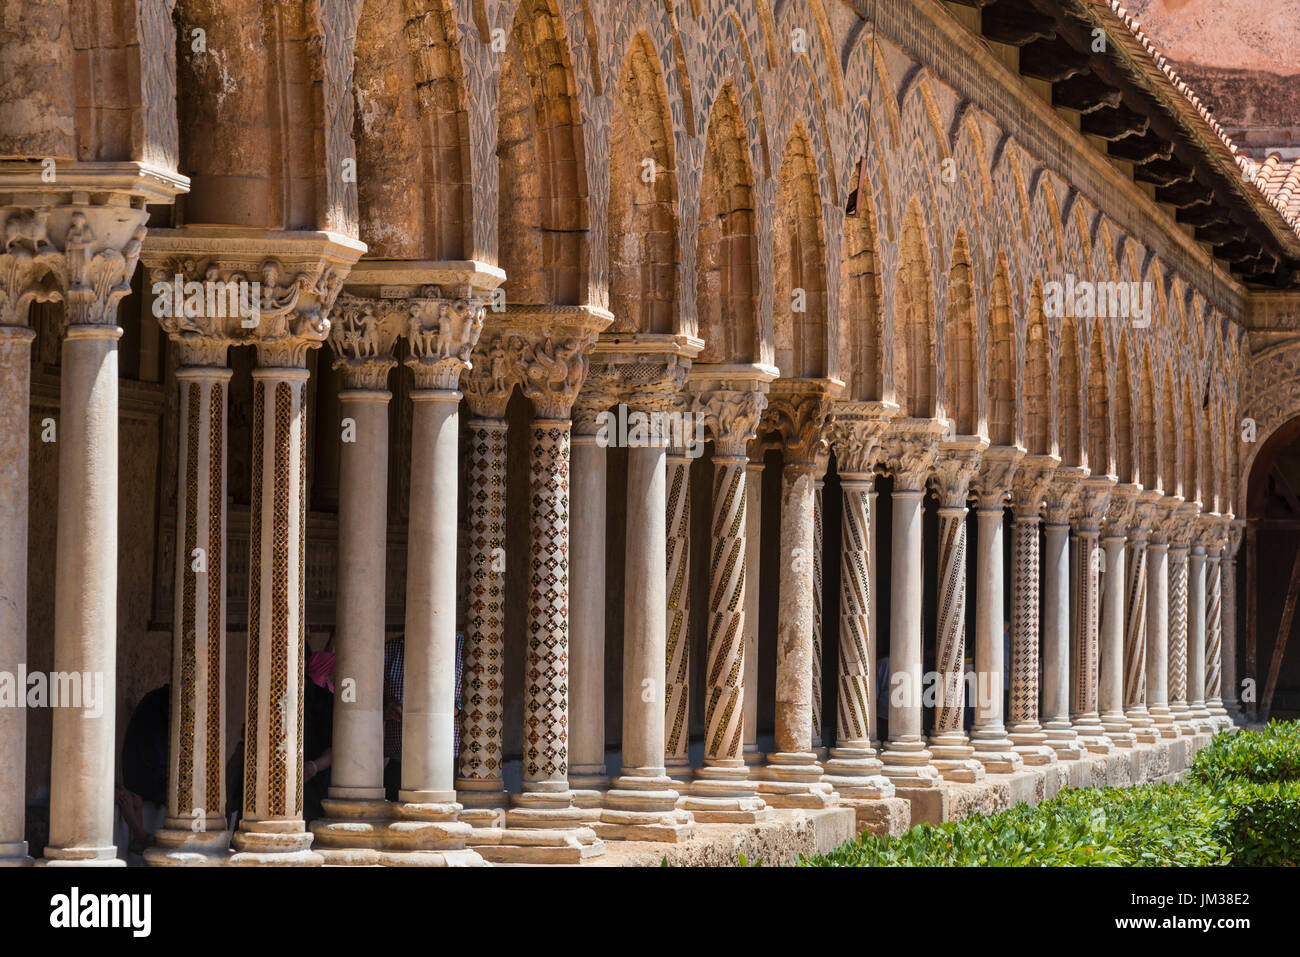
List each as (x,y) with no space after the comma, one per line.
(1028,496)
(1111,661)
(1158,619)
(98,266)
(951,750)
(588,777)
(1228,575)
(817,643)
(722,790)
(195,830)
(677,674)
(1061,497)
(799,411)
(1214,627)
(753,591)
(1135,632)
(873,538)
(1094,496)
(911,446)
(1202,532)
(641,802)
(15,429)
(271,829)
(993,486)
(853,768)
(1179,545)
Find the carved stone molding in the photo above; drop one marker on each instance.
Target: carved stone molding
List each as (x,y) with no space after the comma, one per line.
(800,412)
(1033,481)
(955,466)
(993,484)
(1063,493)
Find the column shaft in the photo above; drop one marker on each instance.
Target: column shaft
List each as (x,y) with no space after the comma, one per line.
(753,590)
(1196,633)
(587,773)
(1026,732)
(677,714)
(1110,694)
(1158,639)
(1056,642)
(988,734)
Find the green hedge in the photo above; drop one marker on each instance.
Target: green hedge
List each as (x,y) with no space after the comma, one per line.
(1239,805)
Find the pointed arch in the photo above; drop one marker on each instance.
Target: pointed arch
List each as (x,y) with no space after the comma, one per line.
(860,312)
(1069,437)
(1098,421)
(1002,361)
(914,322)
(799,265)
(1125,466)
(1038,378)
(960,378)
(1148,448)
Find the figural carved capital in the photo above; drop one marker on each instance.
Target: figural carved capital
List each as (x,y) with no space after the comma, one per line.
(993,484)
(1120,510)
(1063,493)
(442,333)
(956,464)
(910,449)
(1033,481)
(857,436)
(731,417)
(1145,508)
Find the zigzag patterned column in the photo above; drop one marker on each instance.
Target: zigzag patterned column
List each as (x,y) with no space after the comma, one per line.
(1158,619)
(1026,733)
(677,714)
(1061,496)
(818,547)
(1202,533)
(1093,499)
(993,487)
(1135,633)
(722,790)
(1179,545)
(1214,629)
(1111,660)
(753,591)
(952,753)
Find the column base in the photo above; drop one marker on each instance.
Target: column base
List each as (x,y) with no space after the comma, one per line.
(1030,742)
(81,857)
(680,772)
(1142,725)
(753,757)
(483,803)
(724,795)
(794,779)
(380,833)
(1163,720)
(854,773)
(907,764)
(952,754)
(1092,735)
(1201,718)
(541,827)
(589,784)
(1064,740)
(277,843)
(182,847)
(1118,729)
(15,855)
(643,809)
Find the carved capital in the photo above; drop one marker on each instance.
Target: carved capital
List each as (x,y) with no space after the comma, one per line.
(955,465)
(858,443)
(442,334)
(1120,511)
(1033,481)
(1207,531)
(362,335)
(910,449)
(1236,529)
(1091,504)
(1145,510)
(491,378)
(1063,493)
(731,416)
(993,483)
(803,423)
(551,371)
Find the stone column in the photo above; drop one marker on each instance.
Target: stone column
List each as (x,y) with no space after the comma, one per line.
(1061,497)
(1202,535)
(799,411)
(722,790)
(480,787)
(1228,576)
(1029,494)
(753,593)
(1093,500)
(911,446)
(1111,661)
(818,582)
(873,538)
(15,427)
(1158,619)
(854,768)
(952,753)
(195,830)
(1179,545)
(992,488)
(587,773)
(100,249)
(677,712)
(1135,634)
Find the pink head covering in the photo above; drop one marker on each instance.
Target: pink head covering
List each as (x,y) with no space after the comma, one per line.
(320,666)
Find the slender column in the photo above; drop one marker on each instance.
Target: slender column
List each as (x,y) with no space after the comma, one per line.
(1135,634)
(911,447)
(853,768)
(271,830)
(641,802)
(1110,680)
(722,790)
(1061,497)
(15,428)
(951,749)
(1179,543)
(1203,530)
(817,639)
(194,830)
(1093,499)
(993,488)
(753,591)
(873,717)
(1214,633)
(677,714)
(587,773)
(793,777)
(1030,491)
(1228,576)
(1158,620)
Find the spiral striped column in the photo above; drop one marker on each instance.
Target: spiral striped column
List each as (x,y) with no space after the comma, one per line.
(677,716)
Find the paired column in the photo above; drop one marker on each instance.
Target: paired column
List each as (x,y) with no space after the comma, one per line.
(793,777)
(952,753)
(1158,618)
(993,748)
(854,768)
(1114,619)
(1135,633)
(1062,495)
(722,790)
(677,654)
(911,446)
(1094,496)
(1033,481)
(194,830)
